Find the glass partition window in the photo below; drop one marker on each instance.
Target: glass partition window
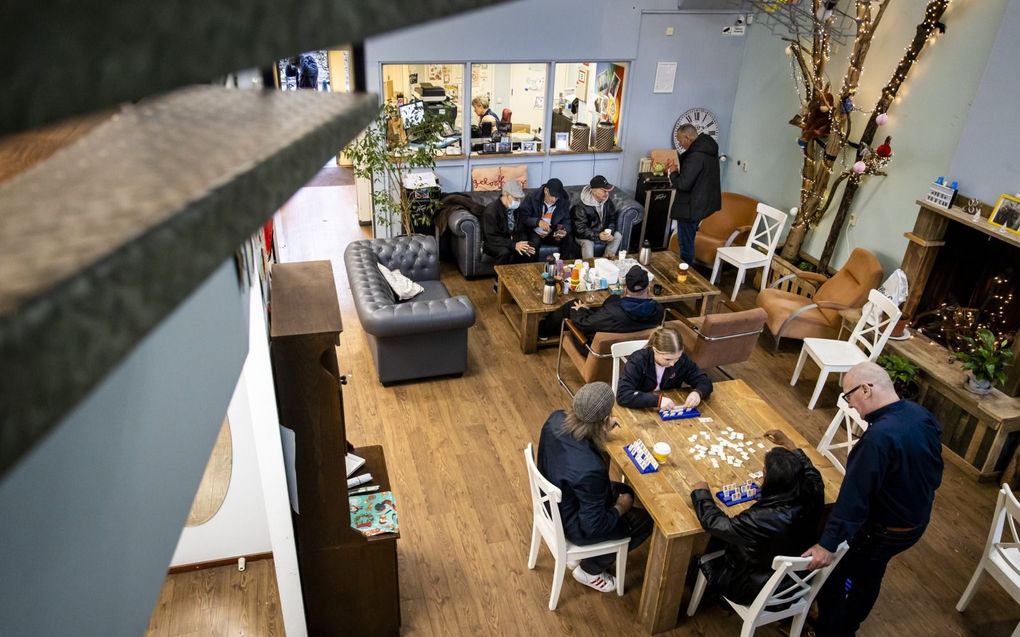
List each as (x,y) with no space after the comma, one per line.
(507,107)
(428,88)
(588,98)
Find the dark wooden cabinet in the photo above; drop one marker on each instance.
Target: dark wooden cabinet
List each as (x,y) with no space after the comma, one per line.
(349,582)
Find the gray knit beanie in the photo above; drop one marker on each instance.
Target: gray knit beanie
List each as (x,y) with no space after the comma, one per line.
(594,402)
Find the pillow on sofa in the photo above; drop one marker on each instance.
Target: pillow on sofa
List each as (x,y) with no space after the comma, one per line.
(402,286)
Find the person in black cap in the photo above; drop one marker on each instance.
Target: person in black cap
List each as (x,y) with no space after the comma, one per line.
(661,365)
(633,312)
(593,508)
(595,218)
(545,216)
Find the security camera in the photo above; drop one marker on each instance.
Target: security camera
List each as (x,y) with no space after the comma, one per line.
(740,21)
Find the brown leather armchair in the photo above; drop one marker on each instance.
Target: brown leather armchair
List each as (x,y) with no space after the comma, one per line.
(727,226)
(721,339)
(791,315)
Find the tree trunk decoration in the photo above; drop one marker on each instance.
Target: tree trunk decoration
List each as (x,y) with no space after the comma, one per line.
(922,35)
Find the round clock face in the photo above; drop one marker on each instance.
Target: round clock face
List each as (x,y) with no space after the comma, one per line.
(700,118)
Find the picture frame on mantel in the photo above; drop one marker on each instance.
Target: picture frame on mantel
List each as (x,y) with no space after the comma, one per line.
(1006,214)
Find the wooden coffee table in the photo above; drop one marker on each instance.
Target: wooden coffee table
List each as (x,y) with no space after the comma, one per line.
(666,494)
(520,293)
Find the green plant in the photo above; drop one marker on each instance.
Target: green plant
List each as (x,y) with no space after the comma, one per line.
(987,357)
(900,369)
(386,153)
(806,266)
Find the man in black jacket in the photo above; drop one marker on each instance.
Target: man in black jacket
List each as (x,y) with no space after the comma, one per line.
(659,366)
(595,219)
(593,509)
(633,312)
(502,232)
(545,215)
(696,179)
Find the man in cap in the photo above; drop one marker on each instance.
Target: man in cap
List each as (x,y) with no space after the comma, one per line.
(545,214)
(593,509)
(595,219)
(503,236)
(634,311)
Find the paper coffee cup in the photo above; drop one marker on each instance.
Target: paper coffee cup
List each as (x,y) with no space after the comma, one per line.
(661,451)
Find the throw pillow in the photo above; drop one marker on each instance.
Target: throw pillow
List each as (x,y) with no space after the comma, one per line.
(402,286)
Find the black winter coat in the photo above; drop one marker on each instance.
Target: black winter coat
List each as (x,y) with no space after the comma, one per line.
(637,380)
(578,468)
(496,234)
(778,524)
(534,205)
(619,315)
(698,184)
(587,224)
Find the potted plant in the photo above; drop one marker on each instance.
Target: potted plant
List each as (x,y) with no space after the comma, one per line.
(389,150)
(902,372)
(986,360)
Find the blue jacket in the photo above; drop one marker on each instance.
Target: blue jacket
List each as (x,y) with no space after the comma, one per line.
(637,380)
(891,474)
(578,468)
(620,315)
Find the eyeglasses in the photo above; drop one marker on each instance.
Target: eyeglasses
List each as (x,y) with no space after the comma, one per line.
(846,395)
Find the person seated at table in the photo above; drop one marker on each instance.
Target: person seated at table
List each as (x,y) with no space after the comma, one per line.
(502,232)
(661,365)
(545,215)
(593,508)
(487,119)
(636,310)
(784,521)
(595,219)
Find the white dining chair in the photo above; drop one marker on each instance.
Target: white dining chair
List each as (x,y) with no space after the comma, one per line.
(878,319)
(759,250)
(547,526)
(1001,557)
(847,420)
(621,351)
(790,586)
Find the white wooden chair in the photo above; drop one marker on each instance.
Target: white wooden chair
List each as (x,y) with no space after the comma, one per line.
(620,353)
(758,252)
(847,419)
(797,592)
(1000,558)
(545,499)
(878,319)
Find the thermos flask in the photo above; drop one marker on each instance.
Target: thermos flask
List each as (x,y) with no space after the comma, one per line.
(549,292)
(646,253)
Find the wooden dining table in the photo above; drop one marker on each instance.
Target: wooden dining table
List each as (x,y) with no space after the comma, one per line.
(733,408)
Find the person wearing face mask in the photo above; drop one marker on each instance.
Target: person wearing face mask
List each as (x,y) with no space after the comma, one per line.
(661,365)
(545,214)
(595,219)
(502,231)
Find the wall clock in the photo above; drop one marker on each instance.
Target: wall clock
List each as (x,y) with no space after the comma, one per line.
(702,119)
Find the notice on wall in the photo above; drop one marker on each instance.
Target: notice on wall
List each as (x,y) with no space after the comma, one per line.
(665,75)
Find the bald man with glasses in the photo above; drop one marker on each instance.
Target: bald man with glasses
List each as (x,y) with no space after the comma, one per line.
(885,501)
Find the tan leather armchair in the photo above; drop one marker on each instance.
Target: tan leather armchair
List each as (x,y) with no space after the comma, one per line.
(721,339)
(727,226)
(594,361)
(793,316)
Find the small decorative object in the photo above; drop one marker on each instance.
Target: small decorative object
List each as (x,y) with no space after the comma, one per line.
(986,360)
(562,141)
(848,105)
(1006,213)
(658,169)
(641,457)
(882,119)
(529,147)
(860,167)
(885,149)
(580,137)
(604,134)
(973,208)
(940,195)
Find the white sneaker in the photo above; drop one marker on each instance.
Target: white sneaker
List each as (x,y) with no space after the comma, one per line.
(604,582)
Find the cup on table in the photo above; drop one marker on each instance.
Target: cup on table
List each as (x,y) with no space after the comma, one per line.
(681,275)
(621,255)
(661,451)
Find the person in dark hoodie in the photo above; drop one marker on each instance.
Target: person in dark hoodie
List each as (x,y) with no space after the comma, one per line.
(661,365)
(633,312)
(545,217)
(502,238)
(696,179)
(783,522)
(595,219)
(593,509)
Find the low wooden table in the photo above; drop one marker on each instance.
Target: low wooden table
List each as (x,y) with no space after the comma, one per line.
(666,494)
(520,293)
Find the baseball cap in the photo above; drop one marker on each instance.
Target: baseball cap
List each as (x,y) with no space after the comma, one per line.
(598,181)
(513,188)
(594,402)
(637,279)
(555,187)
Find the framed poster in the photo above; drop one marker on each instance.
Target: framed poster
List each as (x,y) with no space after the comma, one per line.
(1006,214)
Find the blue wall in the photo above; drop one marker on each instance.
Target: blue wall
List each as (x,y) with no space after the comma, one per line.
(579,31)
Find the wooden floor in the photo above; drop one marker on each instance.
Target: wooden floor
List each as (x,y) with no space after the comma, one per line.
(453,447)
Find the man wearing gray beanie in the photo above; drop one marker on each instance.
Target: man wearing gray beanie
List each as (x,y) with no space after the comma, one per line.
(593,509)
